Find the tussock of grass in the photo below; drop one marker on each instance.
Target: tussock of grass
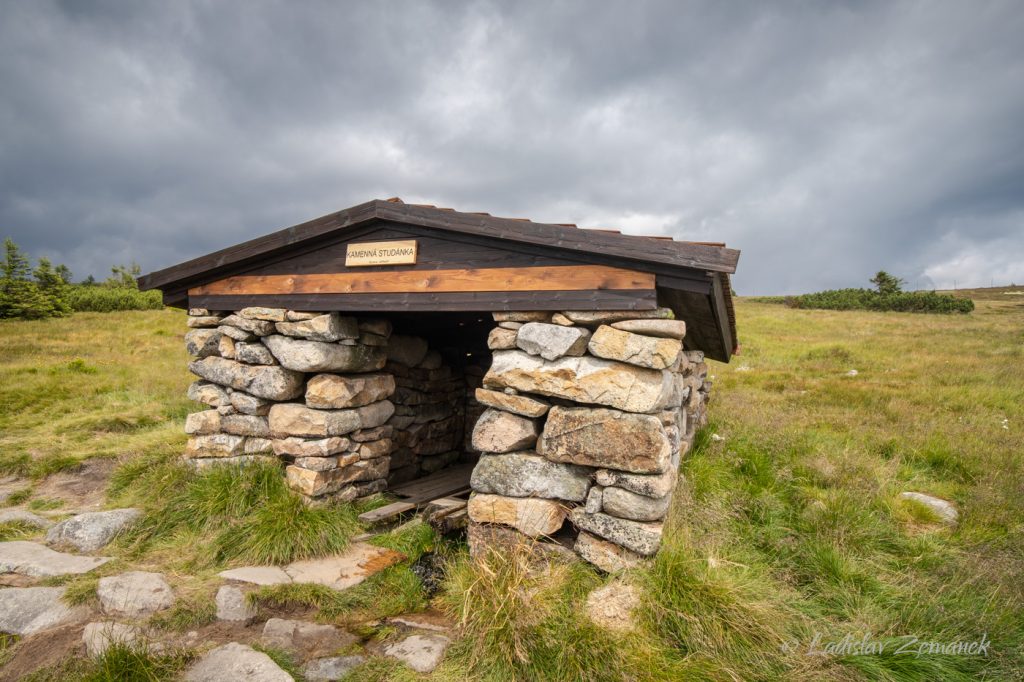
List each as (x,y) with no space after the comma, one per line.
(228,515)
(16,530)
(186,614)
(119,663)
(81,591)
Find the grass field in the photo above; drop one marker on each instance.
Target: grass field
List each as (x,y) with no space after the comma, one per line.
(787,533)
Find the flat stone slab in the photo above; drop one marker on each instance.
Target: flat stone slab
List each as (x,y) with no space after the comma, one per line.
(91,531)
(232,606)
(135,593)
(344,570)
(943,509)
(335,668)
(26,610)
(25,517)
(39,561)
(98,636)
(422,653)
(257,575)
(313,639)
(236,662)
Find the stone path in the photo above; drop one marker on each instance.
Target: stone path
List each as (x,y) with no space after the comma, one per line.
(358,563)
(38,561)
(27,610)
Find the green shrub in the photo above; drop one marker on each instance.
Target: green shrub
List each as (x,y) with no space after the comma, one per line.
(866,299)
(105,299)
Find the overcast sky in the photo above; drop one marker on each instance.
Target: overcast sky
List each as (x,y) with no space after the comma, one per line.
(824,140)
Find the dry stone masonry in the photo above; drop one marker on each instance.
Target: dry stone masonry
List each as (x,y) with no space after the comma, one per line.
(576,426)
(587,416)
(347,404)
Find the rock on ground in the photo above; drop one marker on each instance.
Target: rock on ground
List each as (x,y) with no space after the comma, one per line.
(98,636)
(612,606)
(232,606)
(24,517)
(335,668)
(257,575)
(27,610)
(422,653)
(236,662)
(946,511)
(314,639)
(135,593)
(91,531)
(357,563)
(38,561)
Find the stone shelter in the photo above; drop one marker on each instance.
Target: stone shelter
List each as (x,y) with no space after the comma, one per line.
(557,374)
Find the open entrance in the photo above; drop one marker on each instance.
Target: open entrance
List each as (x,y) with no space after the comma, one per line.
(435,405)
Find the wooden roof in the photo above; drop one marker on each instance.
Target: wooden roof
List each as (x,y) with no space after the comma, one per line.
(691,277)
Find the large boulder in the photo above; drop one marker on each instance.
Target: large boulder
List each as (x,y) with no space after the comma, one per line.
(525,474)
(262,381)
(27,610)
(235,661)
(552,341)
(328,327)
(600,437)
(332,391)
(134,594)
(295,419)
(643,351)
(583,379)
(530,516)
(641,538)
(500,431)
(316,356)
(91,531)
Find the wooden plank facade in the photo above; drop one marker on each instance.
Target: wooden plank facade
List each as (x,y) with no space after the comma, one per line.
(464,262)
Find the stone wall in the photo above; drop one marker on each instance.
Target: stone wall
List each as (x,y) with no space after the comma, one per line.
(344,402)
(588,414)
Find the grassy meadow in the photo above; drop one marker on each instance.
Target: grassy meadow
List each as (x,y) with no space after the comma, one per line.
(786,534)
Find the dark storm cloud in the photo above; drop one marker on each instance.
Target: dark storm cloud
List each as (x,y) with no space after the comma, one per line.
(826,141)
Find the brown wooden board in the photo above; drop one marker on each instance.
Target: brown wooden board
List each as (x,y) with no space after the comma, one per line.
(444,483)
(386,512)
(541,278)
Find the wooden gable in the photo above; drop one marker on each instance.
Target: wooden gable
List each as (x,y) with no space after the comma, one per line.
(464,262)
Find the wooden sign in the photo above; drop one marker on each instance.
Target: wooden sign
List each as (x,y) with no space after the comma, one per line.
(381,253)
